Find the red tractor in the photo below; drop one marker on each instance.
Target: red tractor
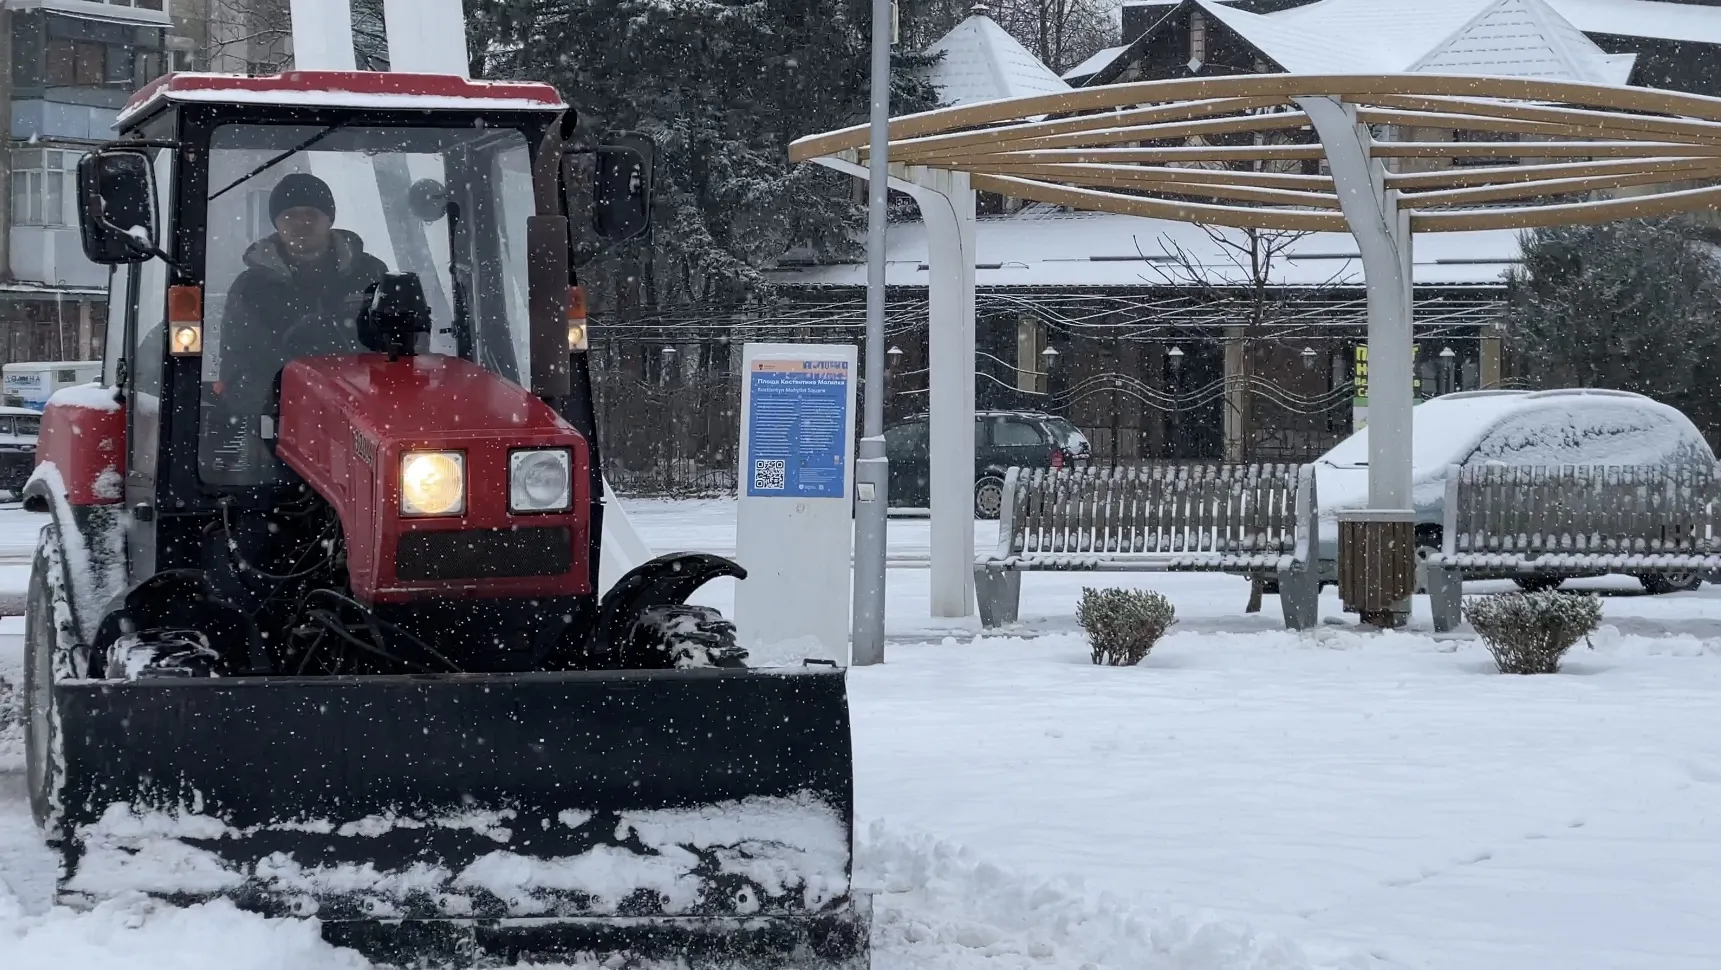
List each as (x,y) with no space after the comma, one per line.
(315,626)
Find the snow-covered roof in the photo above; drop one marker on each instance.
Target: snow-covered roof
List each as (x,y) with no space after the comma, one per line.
(1096,63)
(1525,38)
(1047,246)
(1521,38)
(982,62)
(1643,18)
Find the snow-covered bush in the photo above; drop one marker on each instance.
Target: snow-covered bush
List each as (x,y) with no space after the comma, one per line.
(1528,633)
(1123,624)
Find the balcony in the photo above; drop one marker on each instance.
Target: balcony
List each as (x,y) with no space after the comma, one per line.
(72,114)
(53,256)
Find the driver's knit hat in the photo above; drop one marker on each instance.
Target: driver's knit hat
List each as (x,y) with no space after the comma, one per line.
(301,189)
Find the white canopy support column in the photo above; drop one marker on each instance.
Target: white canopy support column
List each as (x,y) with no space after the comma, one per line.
(946,202)
(947,206)
(1383,237)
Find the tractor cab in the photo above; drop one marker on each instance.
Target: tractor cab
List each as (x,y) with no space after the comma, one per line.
(251,218)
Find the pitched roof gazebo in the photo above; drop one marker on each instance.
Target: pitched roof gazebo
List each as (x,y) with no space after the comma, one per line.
(1276,152)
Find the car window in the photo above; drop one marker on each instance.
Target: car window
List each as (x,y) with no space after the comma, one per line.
(6,427)
(1014,433)
(905,441)
(29,426)
(1068,437)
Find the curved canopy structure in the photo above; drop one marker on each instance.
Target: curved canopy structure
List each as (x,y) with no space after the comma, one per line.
(1242,151)
(1382,156)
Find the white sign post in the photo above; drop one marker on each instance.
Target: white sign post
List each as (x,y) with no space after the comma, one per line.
(795,489)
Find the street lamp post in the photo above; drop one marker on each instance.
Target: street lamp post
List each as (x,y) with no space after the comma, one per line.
(1048,357)
(872,477)
(1448,369)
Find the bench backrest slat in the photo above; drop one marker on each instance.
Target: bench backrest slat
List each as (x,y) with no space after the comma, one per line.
(1586,509)
(1208,509)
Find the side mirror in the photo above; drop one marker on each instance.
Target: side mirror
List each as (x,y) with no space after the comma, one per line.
(621,187)
(116,202)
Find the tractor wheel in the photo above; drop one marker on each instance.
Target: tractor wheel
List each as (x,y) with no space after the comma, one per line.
(989,497)
(679,635)
(1656,584)
(1536,584)
(40,727)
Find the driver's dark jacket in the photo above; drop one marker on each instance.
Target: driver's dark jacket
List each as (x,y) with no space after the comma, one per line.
(278,310)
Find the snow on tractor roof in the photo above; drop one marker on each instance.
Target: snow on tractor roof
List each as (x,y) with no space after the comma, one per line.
(344,89)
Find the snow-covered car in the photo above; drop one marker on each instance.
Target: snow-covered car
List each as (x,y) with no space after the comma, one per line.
(1579,426)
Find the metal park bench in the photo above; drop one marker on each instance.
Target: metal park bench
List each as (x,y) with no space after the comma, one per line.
(1248,520)
(1571,521)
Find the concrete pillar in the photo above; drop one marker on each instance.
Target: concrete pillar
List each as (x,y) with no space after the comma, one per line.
(1491,364)
(1236,435)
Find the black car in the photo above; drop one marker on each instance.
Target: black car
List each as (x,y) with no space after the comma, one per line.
(1001,439)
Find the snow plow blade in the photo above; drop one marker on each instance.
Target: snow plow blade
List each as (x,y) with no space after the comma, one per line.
(704,815)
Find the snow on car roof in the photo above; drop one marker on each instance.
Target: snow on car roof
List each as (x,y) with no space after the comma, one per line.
(345,89)
(1449,428)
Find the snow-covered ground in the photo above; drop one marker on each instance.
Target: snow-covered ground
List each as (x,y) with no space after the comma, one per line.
(1247,799)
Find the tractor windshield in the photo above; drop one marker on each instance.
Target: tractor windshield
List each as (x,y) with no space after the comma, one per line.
(302,218)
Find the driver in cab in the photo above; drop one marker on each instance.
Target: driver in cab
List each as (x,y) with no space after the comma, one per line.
(299,294)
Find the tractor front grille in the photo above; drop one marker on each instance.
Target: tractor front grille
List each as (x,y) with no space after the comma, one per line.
(484,554)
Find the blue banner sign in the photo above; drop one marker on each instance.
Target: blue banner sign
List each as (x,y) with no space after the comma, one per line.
(796,422)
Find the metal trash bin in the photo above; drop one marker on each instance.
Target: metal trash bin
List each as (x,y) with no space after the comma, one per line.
(1377,564)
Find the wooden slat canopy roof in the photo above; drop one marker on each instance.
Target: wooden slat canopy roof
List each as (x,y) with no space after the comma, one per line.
(1215,150)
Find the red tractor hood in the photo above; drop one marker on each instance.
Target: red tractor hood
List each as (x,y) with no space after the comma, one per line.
(347,422)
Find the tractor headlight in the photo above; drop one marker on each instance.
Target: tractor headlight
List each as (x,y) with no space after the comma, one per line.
(540,480)
(432,483)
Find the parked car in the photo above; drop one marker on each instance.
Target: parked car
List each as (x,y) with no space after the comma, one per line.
(1002,439)
(1579,426)
(18,430)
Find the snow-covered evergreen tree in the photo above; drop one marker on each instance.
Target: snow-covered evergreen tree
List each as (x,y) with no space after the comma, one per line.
(722,88)
(1633,305)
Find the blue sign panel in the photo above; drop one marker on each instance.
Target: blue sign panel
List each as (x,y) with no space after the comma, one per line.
(796,423)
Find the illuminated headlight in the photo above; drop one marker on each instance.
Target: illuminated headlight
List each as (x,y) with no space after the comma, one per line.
(432,483)
(540,480)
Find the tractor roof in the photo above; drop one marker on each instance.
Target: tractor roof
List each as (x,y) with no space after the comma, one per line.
(344,89)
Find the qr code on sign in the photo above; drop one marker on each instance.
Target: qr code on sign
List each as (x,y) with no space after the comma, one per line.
(769,475)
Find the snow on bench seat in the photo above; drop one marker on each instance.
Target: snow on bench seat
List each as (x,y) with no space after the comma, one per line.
(1252,520)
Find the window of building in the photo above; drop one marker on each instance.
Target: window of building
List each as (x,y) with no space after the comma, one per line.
(44,187)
